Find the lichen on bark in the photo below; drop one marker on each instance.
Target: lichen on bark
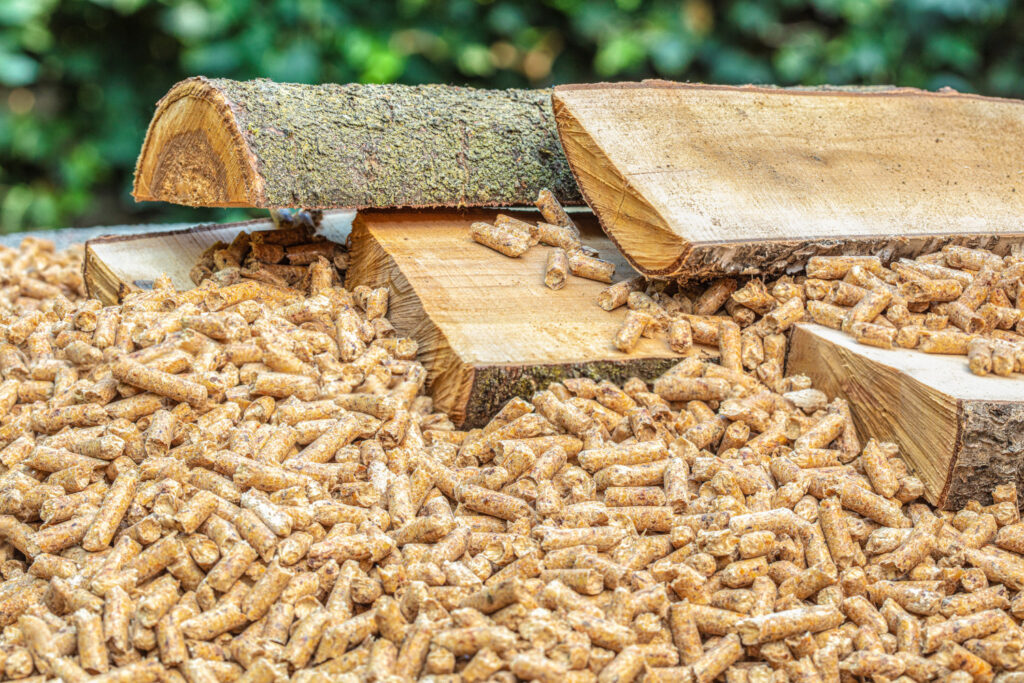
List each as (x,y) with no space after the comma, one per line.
(394,145)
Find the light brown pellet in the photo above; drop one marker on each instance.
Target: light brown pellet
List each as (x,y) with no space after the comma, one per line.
(590,268)
(557,269)
(503,239)
(633,326)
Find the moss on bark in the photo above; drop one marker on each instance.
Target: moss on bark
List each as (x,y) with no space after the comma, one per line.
(394,145)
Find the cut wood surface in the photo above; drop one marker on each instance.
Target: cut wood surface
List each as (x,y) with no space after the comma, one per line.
(961,433)
(487,327)
(217,142)
(696,180)
(114,264)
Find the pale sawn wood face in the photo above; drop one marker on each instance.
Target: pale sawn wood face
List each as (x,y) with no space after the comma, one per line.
(671,168)
(471,308)
(921,401)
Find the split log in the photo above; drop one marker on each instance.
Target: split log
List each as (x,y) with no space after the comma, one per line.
(488,328)
(117,264)
(695,181)
(961,434)
(217,142)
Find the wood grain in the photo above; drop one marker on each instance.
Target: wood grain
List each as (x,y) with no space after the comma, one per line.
(961,434)
(487,327)
(695,180)
(217,142)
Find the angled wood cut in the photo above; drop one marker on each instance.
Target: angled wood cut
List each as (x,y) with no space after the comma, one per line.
(694,180)
(961,434)
(217,142)
(488,327)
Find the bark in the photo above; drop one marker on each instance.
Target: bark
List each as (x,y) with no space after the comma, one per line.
(990,451)
(493,385)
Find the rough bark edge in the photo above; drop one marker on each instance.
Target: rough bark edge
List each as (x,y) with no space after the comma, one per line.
(989,450)
(705,261)
(200,87)
(494,385)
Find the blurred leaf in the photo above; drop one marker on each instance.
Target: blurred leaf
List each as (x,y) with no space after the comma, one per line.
(505,19)
(17,69)
(797,60)
(188,21)
(383,66)
(475,60)
(975,10)
(672,54)
(212,59)
(730,65)
(619,54)
(297,63)
(14,206)
(21,12)
(950,49)
(752,17)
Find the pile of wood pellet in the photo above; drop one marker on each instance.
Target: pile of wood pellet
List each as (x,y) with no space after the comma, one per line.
(244,482)
(261,255)
(956,301)
(514,237)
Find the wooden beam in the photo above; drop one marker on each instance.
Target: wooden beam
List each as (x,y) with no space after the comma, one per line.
(217,142)
(696,180)
(961,433)
(114,264)
(487,326)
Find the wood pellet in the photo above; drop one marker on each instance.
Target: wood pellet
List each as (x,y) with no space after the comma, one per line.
(567,255)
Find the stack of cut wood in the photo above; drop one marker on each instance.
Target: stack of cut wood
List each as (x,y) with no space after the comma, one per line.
(739,187)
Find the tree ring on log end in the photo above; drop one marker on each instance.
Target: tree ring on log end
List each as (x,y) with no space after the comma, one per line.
(193,153)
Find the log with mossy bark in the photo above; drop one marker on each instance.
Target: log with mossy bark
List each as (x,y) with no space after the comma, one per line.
(217,142)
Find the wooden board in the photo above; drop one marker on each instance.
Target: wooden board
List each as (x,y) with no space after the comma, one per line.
(487,327)
(696,180)
(961,433)
(116,263)
(217,142)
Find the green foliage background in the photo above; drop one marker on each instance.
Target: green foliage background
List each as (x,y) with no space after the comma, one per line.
(79,78)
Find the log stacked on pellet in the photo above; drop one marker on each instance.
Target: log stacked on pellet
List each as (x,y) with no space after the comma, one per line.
(243,482)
